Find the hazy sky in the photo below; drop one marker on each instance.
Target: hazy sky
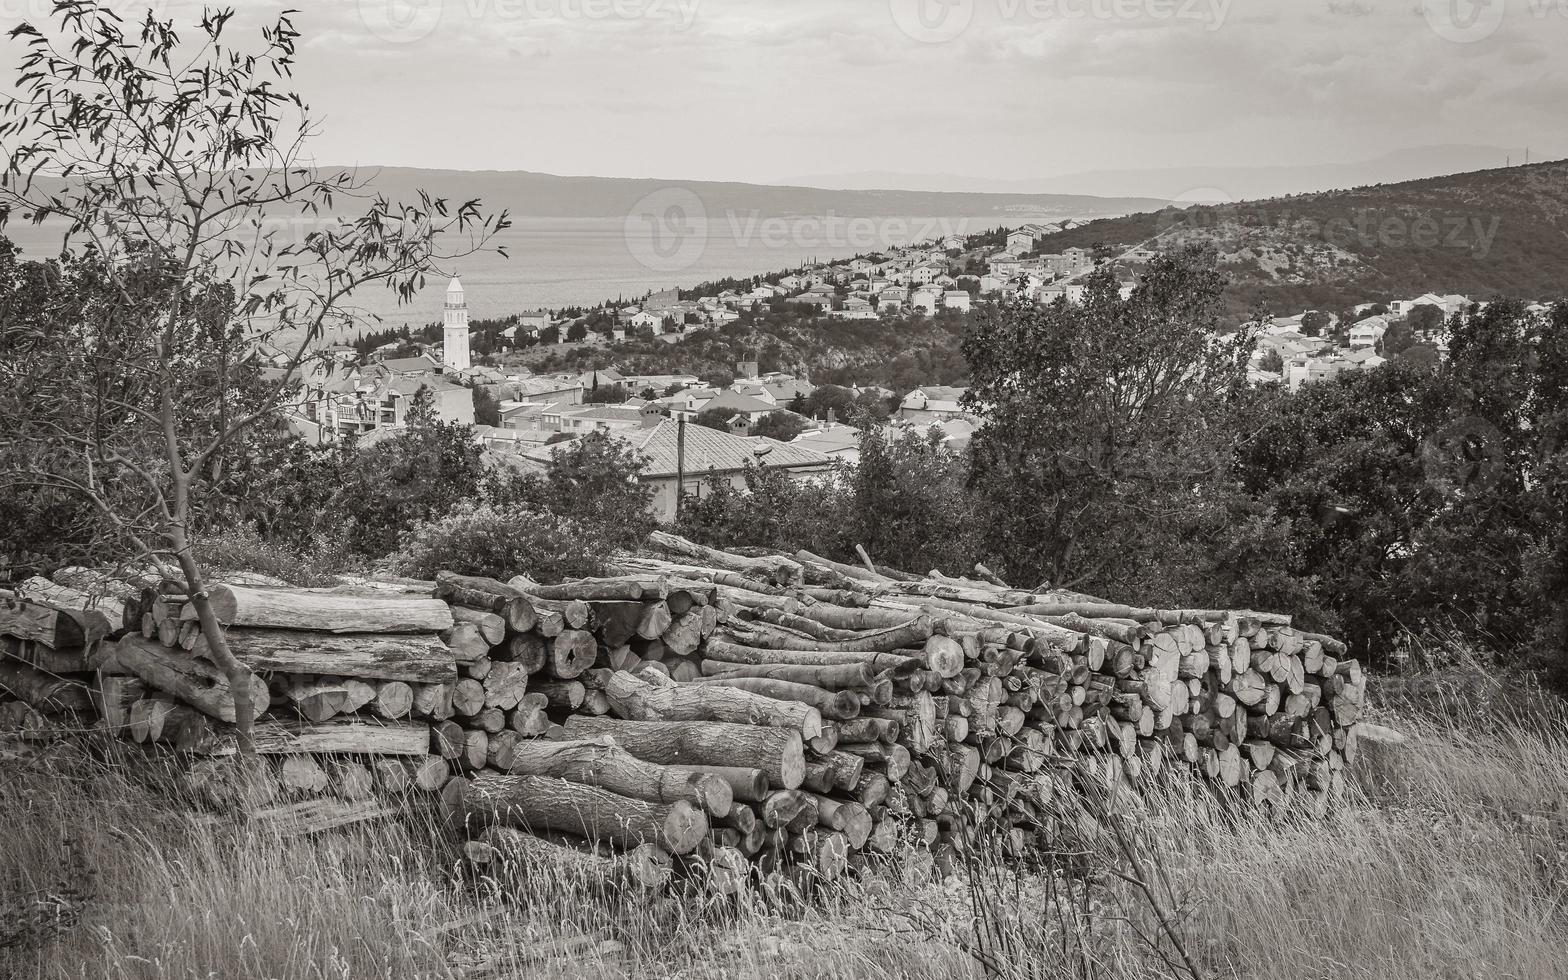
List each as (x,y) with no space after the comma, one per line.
(762,89)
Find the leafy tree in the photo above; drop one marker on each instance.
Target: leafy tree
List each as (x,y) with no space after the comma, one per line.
(606,395)
(1273,361)
(912,506)
(771,510)
(1104,422)
(782,426)
(414,476)
(196,234)
(593,481)
(714,418)
(550,335)
(487,408)
(1425,320)
(577,332)
(1314,322)
(1397,339)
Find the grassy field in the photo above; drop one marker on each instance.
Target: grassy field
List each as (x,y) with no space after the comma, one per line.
(1447,862)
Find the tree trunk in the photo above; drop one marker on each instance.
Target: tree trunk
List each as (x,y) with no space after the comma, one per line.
(613,768)
(639,701)
(238,605)
(779,752)
(544,803)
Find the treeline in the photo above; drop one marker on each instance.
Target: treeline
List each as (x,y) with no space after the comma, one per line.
(1124,455)
(898,353)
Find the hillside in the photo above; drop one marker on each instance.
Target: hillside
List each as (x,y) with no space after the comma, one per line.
(1492,231)
(528,194)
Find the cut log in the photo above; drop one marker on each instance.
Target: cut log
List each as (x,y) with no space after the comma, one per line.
(193,681)
(488,595)
(46,692)
(571,653)
(491,626)
(381,657)
(778,752)
(304,609)
(721,649)
(606,765)
(746,785)
(832,705)
(637,700)
(542,859)
(543,803)
(832,677)
(54,627)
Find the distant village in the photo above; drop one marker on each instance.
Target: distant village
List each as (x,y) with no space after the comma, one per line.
(368,398)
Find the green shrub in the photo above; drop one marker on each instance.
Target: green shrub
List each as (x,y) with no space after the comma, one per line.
(501,541)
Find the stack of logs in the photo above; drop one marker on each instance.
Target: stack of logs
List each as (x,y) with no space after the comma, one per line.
(841,704)
(705,713)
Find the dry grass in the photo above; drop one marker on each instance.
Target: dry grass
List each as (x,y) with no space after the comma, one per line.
(1447,863)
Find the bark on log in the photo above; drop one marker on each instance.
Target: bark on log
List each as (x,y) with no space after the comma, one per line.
(608,766)
(834,677)
(488,595)
(832,705)
(637,700)
(419,659)
(195,682)
(721,649)
(778,752)
(54,627)
(46,692)
(302,609)
(538,802)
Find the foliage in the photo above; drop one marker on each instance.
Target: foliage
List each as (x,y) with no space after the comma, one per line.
(1105,423)
(714,418)
(487,408)
(499,542)
(912,509)
(780,425)
(771,510)
(592,481)
(414,476)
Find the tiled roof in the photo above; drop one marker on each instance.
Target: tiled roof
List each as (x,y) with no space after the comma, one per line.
(407,365)
(734,401)
(711,449)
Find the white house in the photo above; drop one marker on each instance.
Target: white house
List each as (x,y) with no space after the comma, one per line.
(956,299)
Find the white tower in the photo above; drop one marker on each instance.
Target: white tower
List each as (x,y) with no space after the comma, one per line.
(454,340)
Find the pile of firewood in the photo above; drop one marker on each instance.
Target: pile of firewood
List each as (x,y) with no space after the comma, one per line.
(701,712)
(48,631)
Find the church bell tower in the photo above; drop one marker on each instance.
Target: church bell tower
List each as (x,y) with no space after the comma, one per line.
(454,340)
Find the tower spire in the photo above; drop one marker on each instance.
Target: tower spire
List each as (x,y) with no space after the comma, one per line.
(454,334)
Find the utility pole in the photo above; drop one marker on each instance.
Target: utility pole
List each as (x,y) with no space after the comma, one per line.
(680,466)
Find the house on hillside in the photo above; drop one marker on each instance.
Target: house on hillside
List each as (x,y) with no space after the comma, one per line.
(1366,333)
(834,440)
(932,403)
(710,454)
